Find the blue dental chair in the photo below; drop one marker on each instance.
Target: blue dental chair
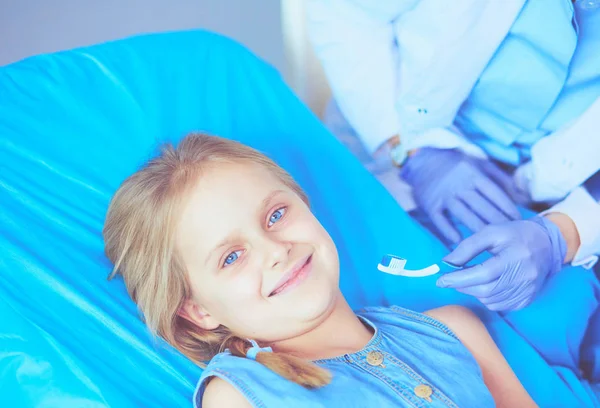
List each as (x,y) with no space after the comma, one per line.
(75,124)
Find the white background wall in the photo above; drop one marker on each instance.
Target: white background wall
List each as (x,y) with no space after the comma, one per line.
(30,27)
(304,71)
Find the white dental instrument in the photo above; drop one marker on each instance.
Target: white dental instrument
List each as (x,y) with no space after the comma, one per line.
(394,265)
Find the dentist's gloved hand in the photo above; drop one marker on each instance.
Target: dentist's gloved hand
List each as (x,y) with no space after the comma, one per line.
(449,182)
(525,254)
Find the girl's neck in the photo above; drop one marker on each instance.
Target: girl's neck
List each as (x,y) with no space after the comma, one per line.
(342,332)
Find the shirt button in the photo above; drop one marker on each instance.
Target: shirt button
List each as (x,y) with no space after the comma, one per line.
(423,391)
(375,358)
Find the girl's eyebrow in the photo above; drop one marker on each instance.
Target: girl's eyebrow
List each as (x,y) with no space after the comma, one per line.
(267,199)
(222,243)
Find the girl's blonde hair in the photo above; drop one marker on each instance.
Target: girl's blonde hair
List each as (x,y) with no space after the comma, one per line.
(139,239)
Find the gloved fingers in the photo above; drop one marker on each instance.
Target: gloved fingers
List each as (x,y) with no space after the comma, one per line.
(506,181)
(464,214)
(470,247)
(498,197)
(480,274)
(441,222)
(488,291)
(499,307)
(502,178)
(483,207)
(508,306)
(514,297)
(523,303)
(506,294)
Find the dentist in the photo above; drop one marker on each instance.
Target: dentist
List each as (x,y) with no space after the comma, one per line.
(479,104)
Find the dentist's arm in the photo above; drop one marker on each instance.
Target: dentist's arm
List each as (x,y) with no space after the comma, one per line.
(569,232)
(355,43)
(559,167)
(525,254)
(563,160)
(578,218)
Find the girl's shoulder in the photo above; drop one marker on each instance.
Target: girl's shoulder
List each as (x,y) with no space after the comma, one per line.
(225,377)
(246,378)
(221,393)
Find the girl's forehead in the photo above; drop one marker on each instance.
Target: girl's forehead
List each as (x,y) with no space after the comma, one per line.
(236,178)
(225,193)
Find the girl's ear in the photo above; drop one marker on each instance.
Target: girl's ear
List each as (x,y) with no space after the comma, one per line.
(192,312)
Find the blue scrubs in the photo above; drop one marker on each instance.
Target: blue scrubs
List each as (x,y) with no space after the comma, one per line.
(545,74)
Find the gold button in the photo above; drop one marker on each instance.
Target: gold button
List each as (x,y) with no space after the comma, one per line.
(375,358)
(423,391)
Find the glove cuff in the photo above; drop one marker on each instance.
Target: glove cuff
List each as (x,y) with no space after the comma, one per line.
(421,162)
(559,245)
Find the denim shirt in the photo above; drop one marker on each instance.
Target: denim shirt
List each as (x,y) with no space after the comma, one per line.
(412,360)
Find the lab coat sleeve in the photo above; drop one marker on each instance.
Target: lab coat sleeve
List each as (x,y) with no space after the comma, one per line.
(355,43)
(445,138)
(563,160)
(584,210)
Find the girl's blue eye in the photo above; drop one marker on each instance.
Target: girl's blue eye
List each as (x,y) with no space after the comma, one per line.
(231,258)
(276,216)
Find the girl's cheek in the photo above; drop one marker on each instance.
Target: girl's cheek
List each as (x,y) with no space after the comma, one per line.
(307,224)
(247,281)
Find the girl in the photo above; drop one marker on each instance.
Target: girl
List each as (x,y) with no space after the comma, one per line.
(219,249)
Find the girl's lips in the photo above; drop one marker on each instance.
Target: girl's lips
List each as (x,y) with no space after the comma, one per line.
(294,276)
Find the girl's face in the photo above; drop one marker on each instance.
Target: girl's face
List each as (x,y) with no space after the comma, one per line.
(258,260)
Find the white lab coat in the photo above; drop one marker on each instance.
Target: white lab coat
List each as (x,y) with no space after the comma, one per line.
(406,66)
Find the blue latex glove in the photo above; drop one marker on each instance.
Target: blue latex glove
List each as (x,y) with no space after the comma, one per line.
(525,254)
(447,182)
(592,185)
